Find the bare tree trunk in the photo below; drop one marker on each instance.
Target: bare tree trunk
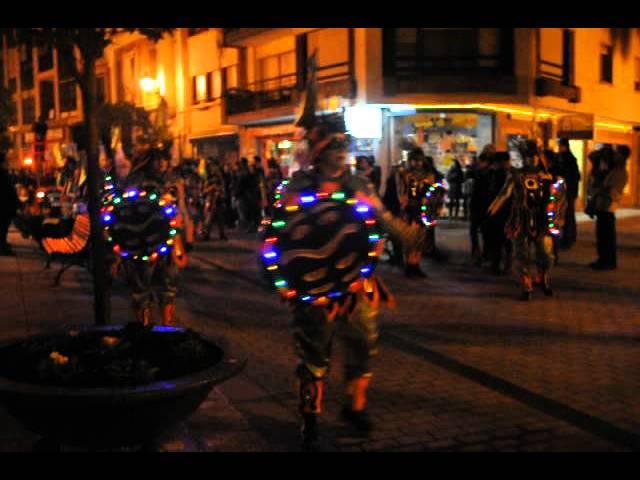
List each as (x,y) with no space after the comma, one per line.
(102,304)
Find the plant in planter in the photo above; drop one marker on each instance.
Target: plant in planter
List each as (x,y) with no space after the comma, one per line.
(106,387)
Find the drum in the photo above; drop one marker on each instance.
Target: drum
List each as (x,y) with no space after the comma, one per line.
(319,246)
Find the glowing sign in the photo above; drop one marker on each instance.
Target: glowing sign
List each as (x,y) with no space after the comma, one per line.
(364,121)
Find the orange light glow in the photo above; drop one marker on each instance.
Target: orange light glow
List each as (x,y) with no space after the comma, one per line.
(148,84)
(614,126)
(483,106)
(28,161)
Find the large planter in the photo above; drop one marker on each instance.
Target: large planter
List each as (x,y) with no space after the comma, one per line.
(112,417)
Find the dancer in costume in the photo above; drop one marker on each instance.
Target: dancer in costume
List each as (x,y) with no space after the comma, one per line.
(213,196)
(537,211)
(143,224)
(420,195)
(320,252)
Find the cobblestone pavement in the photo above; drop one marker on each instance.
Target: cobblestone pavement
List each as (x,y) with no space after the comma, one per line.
(463,366)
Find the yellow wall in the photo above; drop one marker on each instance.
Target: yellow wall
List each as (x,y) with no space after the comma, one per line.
(204,54)
(617,101)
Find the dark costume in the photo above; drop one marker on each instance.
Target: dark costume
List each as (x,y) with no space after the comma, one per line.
(536,216)
(143,228)
(322,309)
(498,245)
(422,195)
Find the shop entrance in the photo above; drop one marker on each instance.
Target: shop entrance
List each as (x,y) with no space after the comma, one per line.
(280,148)
(445,136)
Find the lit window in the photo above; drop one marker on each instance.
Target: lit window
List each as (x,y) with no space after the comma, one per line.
(201,88)
(217,84)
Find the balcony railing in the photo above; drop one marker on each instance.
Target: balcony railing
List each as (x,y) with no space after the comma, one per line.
(283,90)
(420,65)
(271,92)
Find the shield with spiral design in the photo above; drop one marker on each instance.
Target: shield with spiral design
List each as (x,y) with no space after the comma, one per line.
(139,224)
(318,247)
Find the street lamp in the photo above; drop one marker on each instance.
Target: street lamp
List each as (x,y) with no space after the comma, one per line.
(148,84)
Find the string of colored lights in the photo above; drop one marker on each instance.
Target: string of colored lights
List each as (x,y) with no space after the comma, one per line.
(552,207)
(275,227)
(115,199)
(428,206)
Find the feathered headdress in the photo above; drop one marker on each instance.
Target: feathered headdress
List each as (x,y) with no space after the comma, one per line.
(320,130)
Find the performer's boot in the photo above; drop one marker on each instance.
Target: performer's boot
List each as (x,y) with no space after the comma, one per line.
(356,400)
(310,391)
(414,271)
(143,315)
(412,265)
(527,288)
(168,314)
(545,283)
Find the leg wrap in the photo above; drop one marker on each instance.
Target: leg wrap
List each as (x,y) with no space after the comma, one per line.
(310,390)
(356,393)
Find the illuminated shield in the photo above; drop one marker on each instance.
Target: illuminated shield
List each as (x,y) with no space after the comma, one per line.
(140,225)
(318,246)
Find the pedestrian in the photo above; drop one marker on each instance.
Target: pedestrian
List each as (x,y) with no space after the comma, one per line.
(531,190)
(366,167)
(607,198)
(213,195)
(467,189)
(569,171)
(231,216)
(8,206)
(240,186)
(478,205)
(455,178)
(259,192)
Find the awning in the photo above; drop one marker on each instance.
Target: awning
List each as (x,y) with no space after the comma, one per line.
(577,126)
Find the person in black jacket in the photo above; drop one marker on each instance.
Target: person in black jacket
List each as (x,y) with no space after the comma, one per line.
(568,169)
(8,206)
(478,205)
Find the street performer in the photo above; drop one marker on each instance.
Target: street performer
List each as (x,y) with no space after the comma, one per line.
(537,215)
(420,196)
(139,228)
(322,309)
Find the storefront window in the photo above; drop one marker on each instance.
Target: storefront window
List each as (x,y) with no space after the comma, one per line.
(282,150)
(446,136)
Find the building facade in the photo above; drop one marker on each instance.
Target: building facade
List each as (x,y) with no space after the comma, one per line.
(235,92)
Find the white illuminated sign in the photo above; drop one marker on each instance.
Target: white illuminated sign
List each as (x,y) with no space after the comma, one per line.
(364,121)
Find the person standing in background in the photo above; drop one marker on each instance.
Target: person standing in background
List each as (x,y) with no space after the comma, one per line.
(8,206)
(607,200)
(479,203)
(455,177)
(568,169)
